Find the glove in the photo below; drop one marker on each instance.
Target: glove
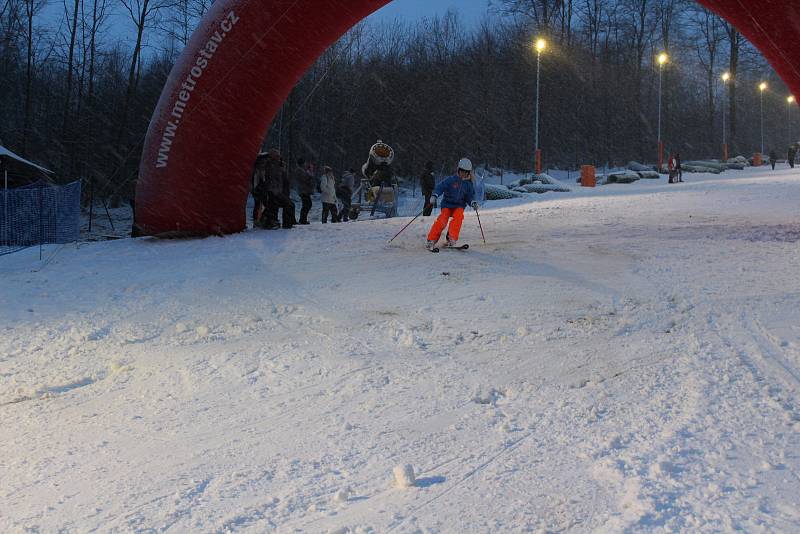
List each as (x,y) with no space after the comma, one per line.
(474,205)
(434,198)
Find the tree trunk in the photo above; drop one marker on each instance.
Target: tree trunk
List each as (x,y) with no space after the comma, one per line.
(735,40)
(29,12)
(65,135)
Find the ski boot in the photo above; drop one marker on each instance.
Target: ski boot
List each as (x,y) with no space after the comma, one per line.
(430,245)
(450,242)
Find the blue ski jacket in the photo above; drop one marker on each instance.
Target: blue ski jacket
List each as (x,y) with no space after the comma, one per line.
(455,192)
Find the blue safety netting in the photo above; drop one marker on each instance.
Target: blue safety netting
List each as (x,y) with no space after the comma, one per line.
(38,214)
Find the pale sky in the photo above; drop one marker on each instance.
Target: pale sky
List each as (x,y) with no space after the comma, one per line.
(469,10)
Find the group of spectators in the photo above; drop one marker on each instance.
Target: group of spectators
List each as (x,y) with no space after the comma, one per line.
(272,185)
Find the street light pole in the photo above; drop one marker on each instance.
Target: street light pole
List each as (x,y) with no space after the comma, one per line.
(725,77)
(662,58)
(790,101)
(541,44)
(761,89)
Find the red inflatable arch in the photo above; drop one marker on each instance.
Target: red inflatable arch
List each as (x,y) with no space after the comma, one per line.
(240,65)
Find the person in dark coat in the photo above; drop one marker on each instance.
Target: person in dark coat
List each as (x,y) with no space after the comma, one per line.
(791,155)
(678,167)
(772,158)
(260,192)
(344,192)
(427,183)
(305,184)
(288,219)
(276,184)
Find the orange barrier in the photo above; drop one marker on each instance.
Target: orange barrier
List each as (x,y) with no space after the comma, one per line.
(757,159)
(587,176)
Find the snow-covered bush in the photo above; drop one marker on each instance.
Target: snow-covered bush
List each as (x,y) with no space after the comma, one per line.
(542,178)
(689,167)
(705,164)
(738,163)
(621,177)
(542,188)
(638,167)
(649,174)
(499,192)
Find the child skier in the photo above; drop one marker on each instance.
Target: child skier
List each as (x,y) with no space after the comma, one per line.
(456,191)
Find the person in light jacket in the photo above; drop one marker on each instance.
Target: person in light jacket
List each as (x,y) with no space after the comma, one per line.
(328,187)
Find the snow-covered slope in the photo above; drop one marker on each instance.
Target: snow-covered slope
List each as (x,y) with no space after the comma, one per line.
(626,357)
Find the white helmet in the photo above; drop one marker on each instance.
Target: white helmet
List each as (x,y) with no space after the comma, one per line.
(465,164)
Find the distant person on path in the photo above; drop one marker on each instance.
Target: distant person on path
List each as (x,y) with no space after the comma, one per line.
(427,183)
(457,192)
(345,193)
(328,186)
(678,167)
(672,167)
(772,157)
(791,155)
(305,184)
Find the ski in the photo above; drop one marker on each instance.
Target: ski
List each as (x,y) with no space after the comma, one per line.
(459,247)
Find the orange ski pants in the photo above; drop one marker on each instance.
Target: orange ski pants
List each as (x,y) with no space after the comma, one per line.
(441,222)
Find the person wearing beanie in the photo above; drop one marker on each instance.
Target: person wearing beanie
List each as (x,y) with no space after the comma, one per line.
(457,192)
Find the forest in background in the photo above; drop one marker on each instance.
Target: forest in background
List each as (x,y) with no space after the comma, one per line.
(77,98)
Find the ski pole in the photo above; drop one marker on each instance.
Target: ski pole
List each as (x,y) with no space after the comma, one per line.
(406,226)
(480,225)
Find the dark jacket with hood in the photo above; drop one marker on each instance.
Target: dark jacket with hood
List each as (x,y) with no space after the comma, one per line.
(305,182)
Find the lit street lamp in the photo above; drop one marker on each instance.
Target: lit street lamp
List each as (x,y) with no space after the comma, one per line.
(662,58)
(725,78)
(761,88)
(541,44)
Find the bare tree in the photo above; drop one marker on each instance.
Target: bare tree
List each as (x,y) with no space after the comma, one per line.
(542,13)
(709,35)
(142,13)
(73,32)
(31,9)
(735,41)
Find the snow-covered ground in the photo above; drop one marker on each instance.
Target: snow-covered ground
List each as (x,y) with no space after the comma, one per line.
(619,358)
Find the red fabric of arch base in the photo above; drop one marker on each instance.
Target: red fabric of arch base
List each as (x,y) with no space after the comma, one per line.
(221,96)
(240,65)
(773,26)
